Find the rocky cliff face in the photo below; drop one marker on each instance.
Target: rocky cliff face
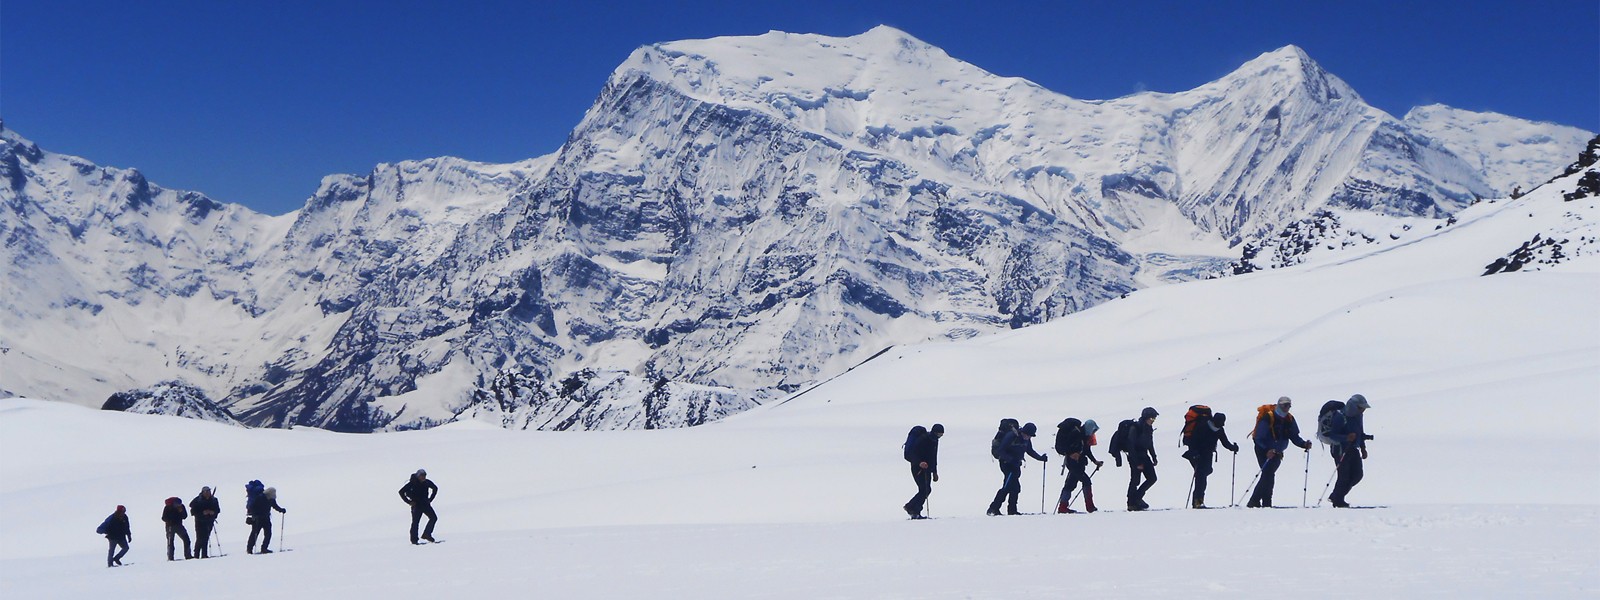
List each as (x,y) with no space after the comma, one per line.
(732,220)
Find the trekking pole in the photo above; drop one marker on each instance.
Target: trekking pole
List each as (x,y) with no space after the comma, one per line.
(1233,480)
(1305,486)
(1252,485)
(1189,502)
(1325,486)
(283,529)
(1043,475)
(1086,484)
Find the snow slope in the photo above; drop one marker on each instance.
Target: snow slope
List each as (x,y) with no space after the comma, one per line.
(1486,408)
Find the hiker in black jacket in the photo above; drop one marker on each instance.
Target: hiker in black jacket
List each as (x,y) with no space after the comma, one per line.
(1142,458)
(260,519)
(1202,451)
(1013,447)
(1073,442)
(118,533)
(924,468)
(173,515)
(205,510)
(419,493)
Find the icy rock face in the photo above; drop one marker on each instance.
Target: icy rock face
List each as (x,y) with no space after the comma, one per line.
(171,398)
(732,220)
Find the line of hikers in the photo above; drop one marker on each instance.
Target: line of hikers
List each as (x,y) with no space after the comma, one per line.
(260,501)
(1339,425)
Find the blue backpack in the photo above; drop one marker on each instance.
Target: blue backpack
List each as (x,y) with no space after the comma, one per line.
(911,440)
(104,525)
(253,492)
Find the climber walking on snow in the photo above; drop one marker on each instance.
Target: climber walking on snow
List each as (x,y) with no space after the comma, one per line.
(1344,430)
(1202,431)
(1073,442)
(1141,458)
(1275,429)
(1011,450)
(419,493)
(922,451)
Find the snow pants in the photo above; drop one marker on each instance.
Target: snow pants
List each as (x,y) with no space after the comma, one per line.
(1075,475)
(1350,472)
(417,510)
(1009,489)
(1140,469)
(260,525)
(179,531)
(924,479)
(1201,461)
(202,535)
(1269,475)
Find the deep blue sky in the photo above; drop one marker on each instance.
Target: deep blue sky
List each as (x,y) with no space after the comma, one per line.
(254,101)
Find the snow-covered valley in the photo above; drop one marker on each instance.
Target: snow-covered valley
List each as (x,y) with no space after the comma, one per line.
(1485,394)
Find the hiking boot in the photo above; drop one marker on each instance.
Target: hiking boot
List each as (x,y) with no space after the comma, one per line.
(1341,504)
(249,550)
(1064,508)
(1012,511)
(1253,503)
(430,539)
(1197,504)
(265,551)
(994,511)
(1134,506)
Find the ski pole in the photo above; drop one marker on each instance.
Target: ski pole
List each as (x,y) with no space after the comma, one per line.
(283,529)
(1189,503)
(1305,486)
(1252,484)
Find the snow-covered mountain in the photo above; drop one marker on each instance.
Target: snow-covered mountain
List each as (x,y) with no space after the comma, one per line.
(171,398)
(733,220)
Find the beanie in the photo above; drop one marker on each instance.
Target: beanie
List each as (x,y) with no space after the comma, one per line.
(1360,400)
(1219,418)
(1030,429)
(1148,413)
(937,428)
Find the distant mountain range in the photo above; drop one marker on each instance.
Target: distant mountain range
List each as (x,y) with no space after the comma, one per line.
(733,220)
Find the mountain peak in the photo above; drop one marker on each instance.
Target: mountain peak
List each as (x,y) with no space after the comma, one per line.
(1291,64)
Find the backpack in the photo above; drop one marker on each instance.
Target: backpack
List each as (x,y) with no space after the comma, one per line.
(1191,420)
(911,441)
(1325,422)
(1119,440)
(104,525)
(1006,426)
(1068,436)
(253,492)
(1263,413)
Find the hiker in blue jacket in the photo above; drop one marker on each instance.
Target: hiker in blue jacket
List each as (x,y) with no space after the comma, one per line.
(1013,447)
(1350,431)
(118,533)
(1275,429)
(924,468)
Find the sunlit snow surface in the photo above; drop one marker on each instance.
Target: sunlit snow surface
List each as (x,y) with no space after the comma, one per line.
(1486,408)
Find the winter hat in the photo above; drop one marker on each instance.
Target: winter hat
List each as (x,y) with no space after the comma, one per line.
(121,508)
(205,489)
(1089,427)
(1219,418)
(1148,413)
(421,472)
(271,492)
(937,428)
(1284,401)
(1359,400)
(1030,430)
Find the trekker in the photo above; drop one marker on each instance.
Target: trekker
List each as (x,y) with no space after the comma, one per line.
(118,534)
(1350,430)
(205,510)
(1275,429)
(1013,447)
(1202,451)
(1073,443)
(259,507)
(419,493)
(173,515)
(924,453)
(1142,458)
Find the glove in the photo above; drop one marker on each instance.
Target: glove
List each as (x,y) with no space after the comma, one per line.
(935,476)
(1363,453)
(1154,461)
(1098,464)
(1234,448)
(283,510)
(1118,458)
(1045,458)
